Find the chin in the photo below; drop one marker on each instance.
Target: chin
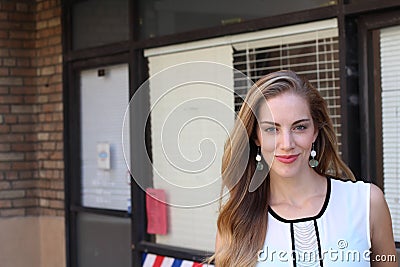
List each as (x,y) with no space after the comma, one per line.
(285,173)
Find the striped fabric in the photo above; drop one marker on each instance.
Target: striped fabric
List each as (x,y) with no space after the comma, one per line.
(152,260)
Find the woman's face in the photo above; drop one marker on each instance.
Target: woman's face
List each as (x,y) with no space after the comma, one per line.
(285,134)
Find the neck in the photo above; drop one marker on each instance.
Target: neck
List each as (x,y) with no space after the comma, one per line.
(295,190)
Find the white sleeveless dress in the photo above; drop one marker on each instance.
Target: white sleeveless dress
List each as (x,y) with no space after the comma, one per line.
(338,236)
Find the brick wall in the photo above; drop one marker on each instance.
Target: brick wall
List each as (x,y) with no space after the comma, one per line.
(31,121)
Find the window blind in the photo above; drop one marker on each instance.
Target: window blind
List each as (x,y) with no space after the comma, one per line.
(314,55)
(390,82)
(103,104)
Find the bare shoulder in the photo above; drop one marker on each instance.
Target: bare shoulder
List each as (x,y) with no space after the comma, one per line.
(377,197)
(379,209)
(382,240)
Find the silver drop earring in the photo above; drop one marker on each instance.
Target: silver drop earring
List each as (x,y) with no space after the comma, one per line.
(313,162)
(259,166)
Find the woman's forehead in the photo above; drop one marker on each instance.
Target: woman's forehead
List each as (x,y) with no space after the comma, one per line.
(284,107)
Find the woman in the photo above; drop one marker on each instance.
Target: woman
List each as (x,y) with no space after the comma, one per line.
(285,206)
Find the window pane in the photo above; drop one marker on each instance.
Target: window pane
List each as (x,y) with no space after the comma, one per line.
(162,17)
(99,22)
(104,99)
(390,58)
(103,240)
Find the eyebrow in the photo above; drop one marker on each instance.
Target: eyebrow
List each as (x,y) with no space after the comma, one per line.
(277,124)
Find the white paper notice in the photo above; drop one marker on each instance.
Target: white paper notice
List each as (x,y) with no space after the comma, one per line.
(103,156)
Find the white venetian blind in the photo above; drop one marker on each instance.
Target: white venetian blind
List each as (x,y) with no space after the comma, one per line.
(191,115)
(390,81)
(310,51)
(103,103)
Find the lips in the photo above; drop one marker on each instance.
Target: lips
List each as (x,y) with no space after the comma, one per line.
(287,159)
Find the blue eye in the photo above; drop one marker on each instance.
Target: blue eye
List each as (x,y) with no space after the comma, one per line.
(300,127)
(271,129)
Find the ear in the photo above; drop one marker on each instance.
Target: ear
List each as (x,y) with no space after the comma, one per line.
(256,141)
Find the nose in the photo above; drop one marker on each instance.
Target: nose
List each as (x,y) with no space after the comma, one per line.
(286,141)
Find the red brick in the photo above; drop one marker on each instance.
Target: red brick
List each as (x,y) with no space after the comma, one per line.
(56,136)
(31,156)
(47,14)
(24,184)
(47,70)
(60,146)
(11,156)
(22,52)
(4,128)
(23,35)
(26,90)
(10,138)
(3,15)
(3,34)
(7,6)
(22,147)
(12,212)
(26,175)
(30,99)
(10,81)
(22,128)
(10,194)
(29,44)
(57,204)
(9,62)
(4,185)
(4,90)
(42,43)
(26,165)
(22,109)
(30,118)
(4,72)
(11,43)
(5,204)
(4,108)
(25,202)
(59,69)
(31,137)
(22,7)
(55,21)
(23,72)
(10,119)
(11,99)
(57,156)
(5,166)
(48,146)
(5,147)
(4,52)
(52,107)
(23,62)
(11,175)
(19,16)
(58,116)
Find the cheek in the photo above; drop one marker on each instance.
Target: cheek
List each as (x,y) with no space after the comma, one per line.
(305,142)
(268,143)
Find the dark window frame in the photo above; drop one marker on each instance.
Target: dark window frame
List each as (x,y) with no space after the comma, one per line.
(345,11)
(370,108)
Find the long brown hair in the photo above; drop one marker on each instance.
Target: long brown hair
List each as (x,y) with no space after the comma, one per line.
(242,221)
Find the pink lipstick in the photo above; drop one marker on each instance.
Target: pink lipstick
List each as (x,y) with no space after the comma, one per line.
(287,159)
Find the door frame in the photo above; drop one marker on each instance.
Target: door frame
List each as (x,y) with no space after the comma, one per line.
(370,89)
